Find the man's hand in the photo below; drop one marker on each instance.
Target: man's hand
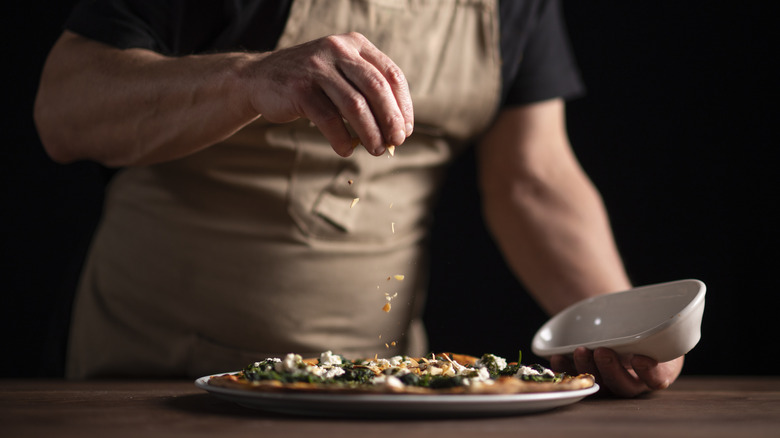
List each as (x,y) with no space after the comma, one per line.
(137,107)
(630,378)
(332,79)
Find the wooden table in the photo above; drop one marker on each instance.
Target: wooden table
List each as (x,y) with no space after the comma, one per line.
(693,407)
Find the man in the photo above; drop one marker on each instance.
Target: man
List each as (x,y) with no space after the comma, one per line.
(245,222)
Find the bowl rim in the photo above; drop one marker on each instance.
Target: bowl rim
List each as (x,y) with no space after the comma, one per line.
(539,349)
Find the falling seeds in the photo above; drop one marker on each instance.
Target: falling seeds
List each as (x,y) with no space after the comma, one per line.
(392,227)
(350,182)
(399,277)
(389,298)
(354,201)
(391,150)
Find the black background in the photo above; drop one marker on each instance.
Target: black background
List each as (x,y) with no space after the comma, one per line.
(677,131)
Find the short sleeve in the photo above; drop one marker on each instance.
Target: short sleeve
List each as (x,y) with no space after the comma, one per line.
(543,67)
(181,27)
(125,23)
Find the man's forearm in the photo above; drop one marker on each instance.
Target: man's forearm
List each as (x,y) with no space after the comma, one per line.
(127,107)
(559,245)
(543,211)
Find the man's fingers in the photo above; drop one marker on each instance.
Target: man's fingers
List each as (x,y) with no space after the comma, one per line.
(562,364)
(382,86)
(382,103)
(637,375)
(656,375)
(370,107)
(584,362)
(615,376)
(396,80)
(355,108)
(324,114)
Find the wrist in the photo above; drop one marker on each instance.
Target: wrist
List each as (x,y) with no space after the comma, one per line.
(244,82)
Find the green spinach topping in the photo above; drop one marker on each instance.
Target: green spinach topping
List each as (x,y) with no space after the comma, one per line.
(360,372)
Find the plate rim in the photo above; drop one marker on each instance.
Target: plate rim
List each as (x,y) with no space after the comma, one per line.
(396,404)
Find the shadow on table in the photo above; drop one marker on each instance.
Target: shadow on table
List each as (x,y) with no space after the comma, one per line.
(207,404)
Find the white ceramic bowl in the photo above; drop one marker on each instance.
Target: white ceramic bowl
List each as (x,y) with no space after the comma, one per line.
(662,321)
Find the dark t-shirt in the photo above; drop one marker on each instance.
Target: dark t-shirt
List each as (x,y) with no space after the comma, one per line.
(537,62)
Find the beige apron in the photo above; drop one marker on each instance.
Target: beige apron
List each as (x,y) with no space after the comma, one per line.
(250,249)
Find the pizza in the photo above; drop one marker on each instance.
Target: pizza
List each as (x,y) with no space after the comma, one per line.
(443,373)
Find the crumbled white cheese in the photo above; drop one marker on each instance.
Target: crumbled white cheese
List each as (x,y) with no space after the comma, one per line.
(332,372)
(434,370)
(479,376)
(397,371)
(314,370)
(327,372)
(290,363)
(382,363)
(397,360)
(390,381)
(499,361)
(328,358)
(483,375)
(459,369)
(294,364)
(528,371)
(270,360)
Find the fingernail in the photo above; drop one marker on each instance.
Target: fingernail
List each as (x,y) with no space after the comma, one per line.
(398,138)
(409,128)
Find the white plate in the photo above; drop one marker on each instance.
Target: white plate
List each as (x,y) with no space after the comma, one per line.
(397,405)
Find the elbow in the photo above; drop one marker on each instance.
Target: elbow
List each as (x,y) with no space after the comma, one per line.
(65,140)
(54,108)
(53,135)
(53,130)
